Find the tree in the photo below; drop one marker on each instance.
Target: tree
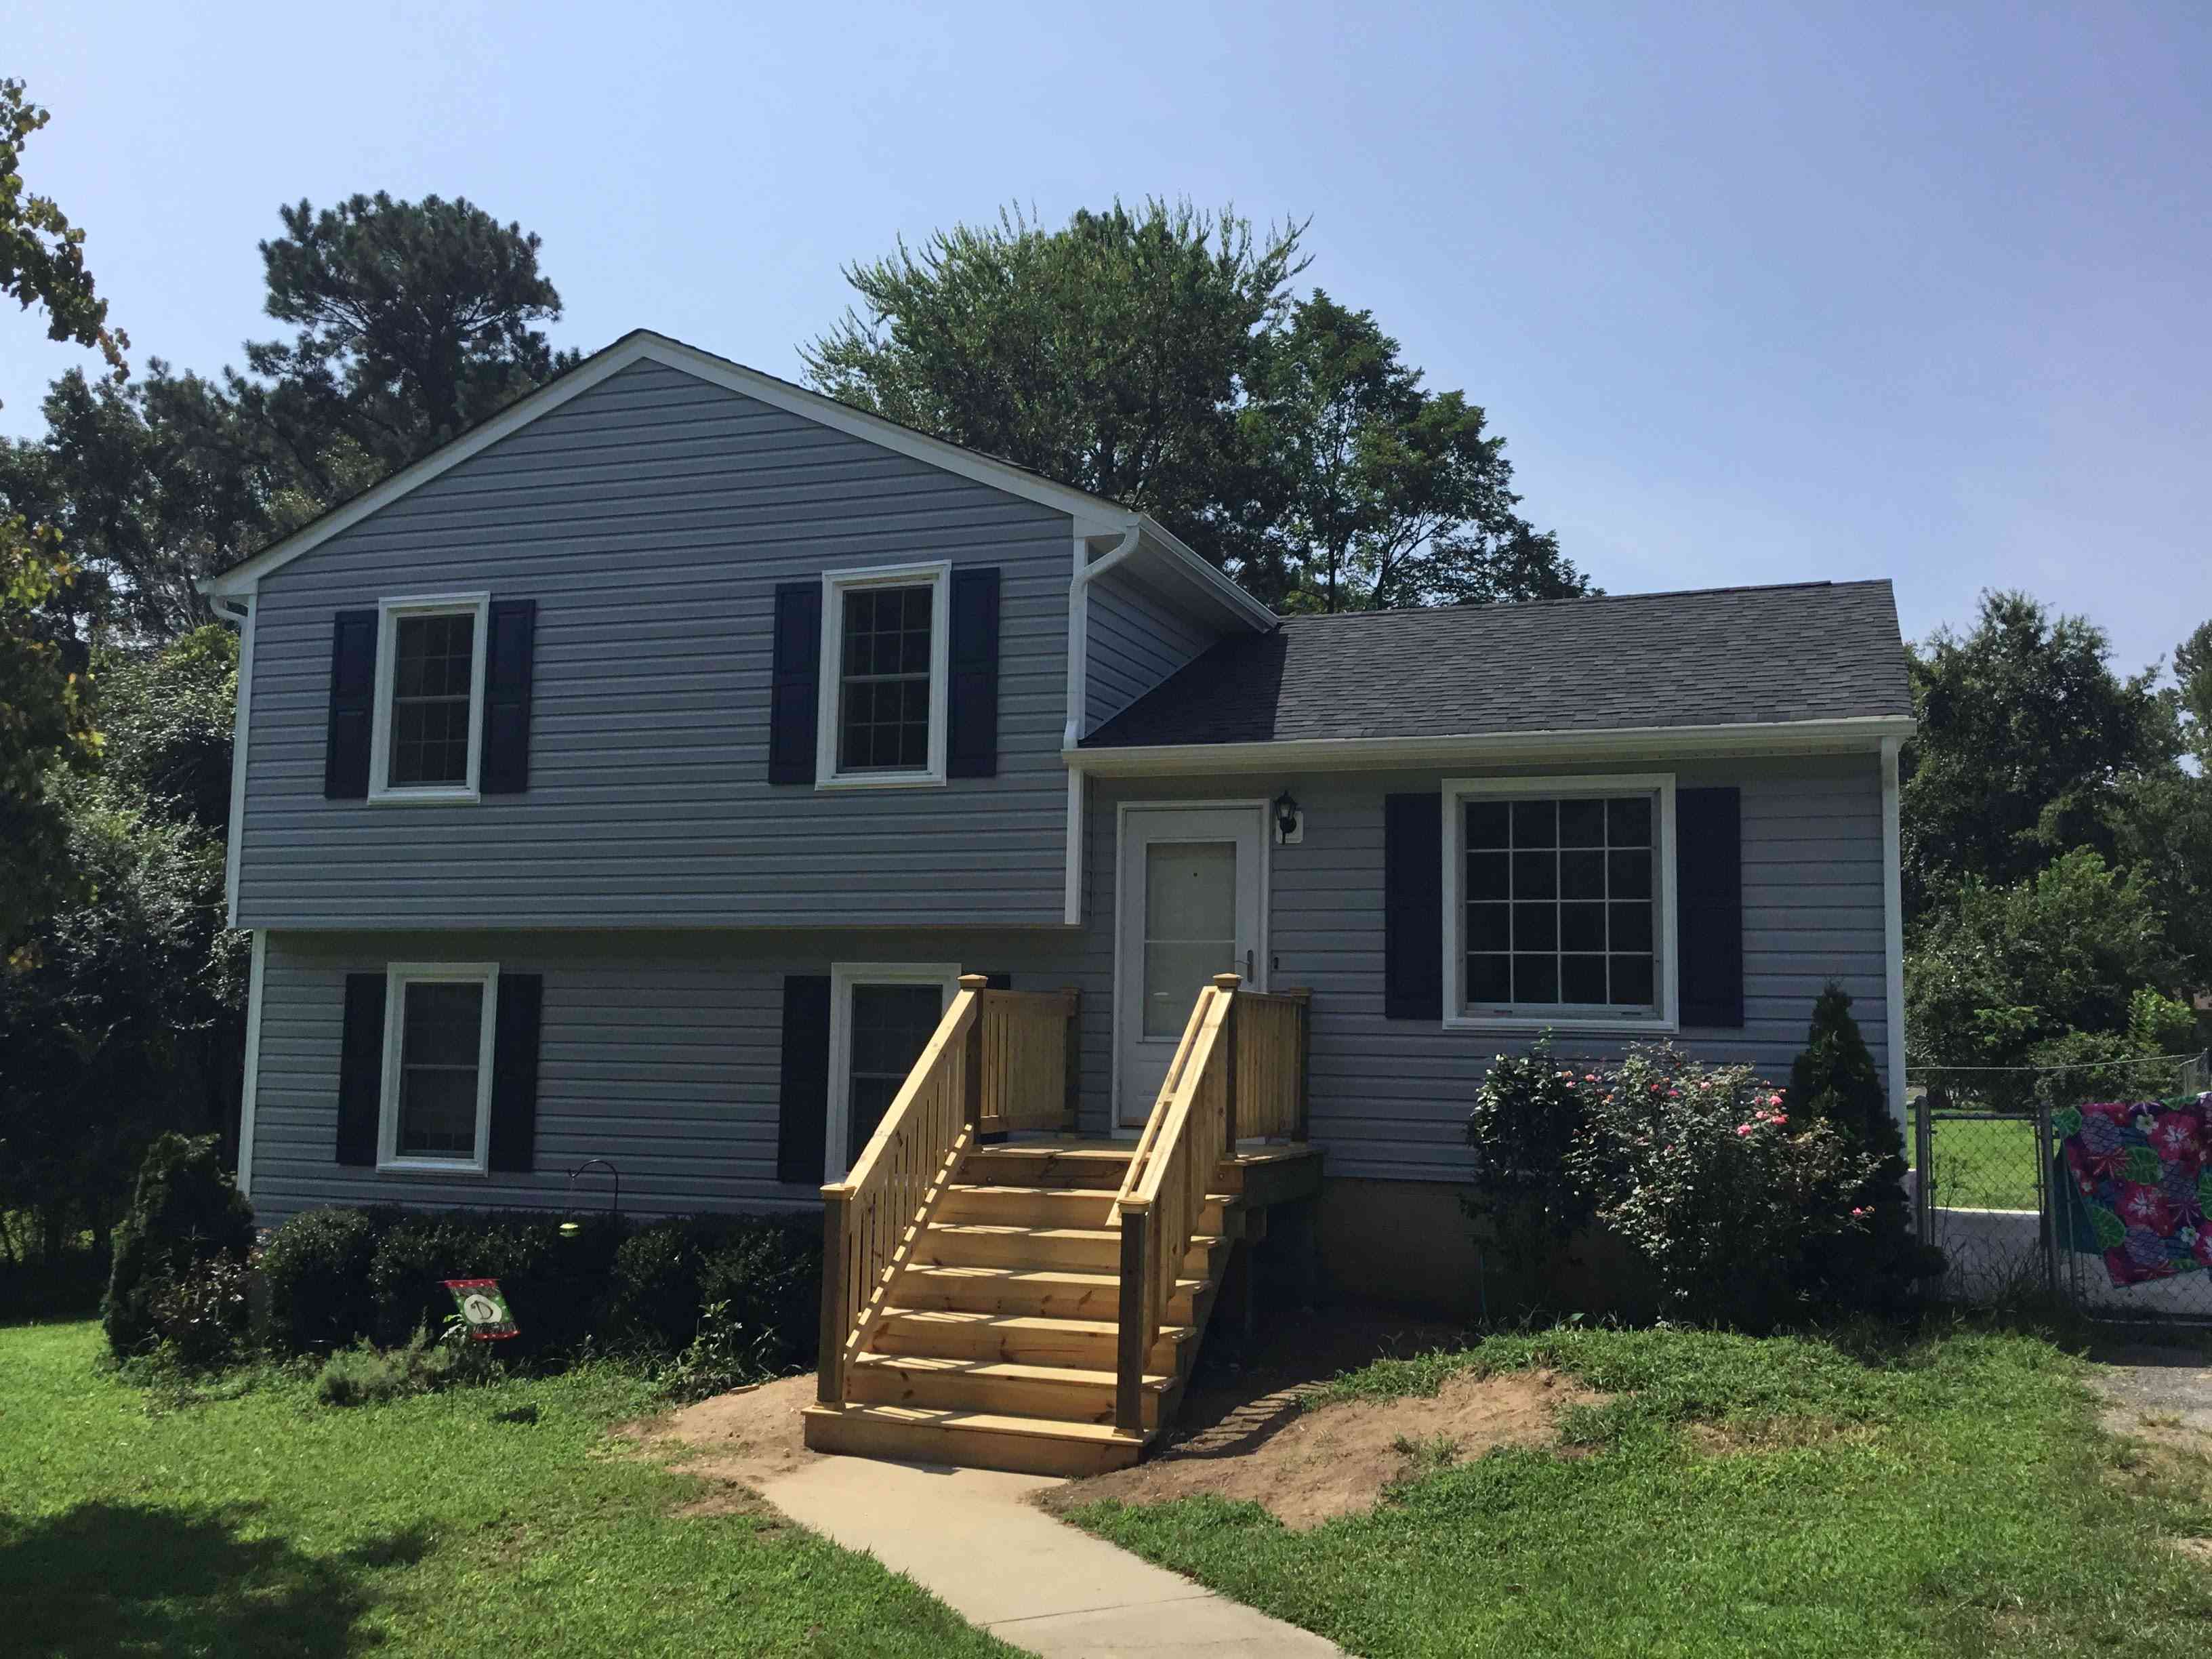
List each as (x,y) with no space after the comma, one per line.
(2026,743)
(2193,669)
(1109,354)
(1382,492)
(41,253)
(414,321)
(2001,972)
(44,728)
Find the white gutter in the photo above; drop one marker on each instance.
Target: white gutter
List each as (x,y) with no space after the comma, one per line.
(1087,570)
(1853,735)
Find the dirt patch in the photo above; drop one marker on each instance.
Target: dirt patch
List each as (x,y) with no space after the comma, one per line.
(1306,1466)
(741,1438)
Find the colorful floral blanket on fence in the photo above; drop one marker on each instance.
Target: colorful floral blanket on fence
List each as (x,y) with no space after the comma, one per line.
(2143,1174)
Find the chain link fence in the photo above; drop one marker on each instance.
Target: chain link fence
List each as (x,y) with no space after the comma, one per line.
(1990,1192)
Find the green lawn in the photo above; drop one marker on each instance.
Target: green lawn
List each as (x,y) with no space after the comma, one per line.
(267,1524)
(1777,1497)
(1985,1164)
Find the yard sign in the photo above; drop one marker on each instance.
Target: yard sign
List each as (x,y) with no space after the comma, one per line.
(484,1308)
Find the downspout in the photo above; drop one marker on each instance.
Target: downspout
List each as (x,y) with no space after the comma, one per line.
(242,611)
(1079,696)
(1893,918)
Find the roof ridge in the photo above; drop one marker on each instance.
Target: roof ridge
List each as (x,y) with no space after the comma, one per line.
(1582,598)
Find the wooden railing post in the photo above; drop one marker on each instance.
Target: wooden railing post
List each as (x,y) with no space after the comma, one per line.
(1226,985)
(1135,1338)
(1071,1106)
(971,1056)
(829,1367)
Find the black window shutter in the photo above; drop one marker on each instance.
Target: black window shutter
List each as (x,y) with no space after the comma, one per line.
(514,1072)
(1413,907)
(361,1068)
(972,743)
(803,1116)
(794,685)
(1709,900)
(999,982)
(512,626)
(353,706)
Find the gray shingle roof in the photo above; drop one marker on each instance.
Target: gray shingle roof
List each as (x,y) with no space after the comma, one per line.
(1717,657)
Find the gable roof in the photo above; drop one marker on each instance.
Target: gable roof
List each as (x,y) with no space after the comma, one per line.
(1094,516)
(1808,655)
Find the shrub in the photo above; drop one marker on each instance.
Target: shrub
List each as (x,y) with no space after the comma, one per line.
(1528,1112)
(766,1273)
(316,1267)
(1835,1081)
(201,1318)
(1699,1169)
(185,1211)
(724,1354)
(366,1375)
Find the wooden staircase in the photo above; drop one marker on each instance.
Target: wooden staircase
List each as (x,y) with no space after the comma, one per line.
(1008,1304)
(998,1344)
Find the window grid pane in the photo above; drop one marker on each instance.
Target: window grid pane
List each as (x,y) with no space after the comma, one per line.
(1557,902)
(883,720)
(438,1048)
(433,667)
(891,1024)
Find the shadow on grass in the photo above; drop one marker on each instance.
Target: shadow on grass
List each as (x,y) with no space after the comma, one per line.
(105,1579)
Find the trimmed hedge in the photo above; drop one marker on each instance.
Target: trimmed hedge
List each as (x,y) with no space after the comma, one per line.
(336,1276)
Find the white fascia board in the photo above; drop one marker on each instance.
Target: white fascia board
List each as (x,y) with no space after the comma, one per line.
(1208,579)
(1824,737)
(643,345)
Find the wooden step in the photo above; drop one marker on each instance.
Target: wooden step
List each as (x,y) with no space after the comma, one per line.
(1092,1249)
(1001,1205)
(1048,1164)
(1060,1393)
(1059,1293)
(1026,1339)
(973,1440)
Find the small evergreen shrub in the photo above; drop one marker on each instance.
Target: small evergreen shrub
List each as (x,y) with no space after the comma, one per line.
(185,1211)
(366,1375)
(1528,1111)
(1835,1081)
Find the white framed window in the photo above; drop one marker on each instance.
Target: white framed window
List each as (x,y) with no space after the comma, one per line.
(881,1016)
(885,659)
(1559,903)
(427,735)
(436,1113)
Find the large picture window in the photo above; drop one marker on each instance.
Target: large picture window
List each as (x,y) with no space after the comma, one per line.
(436,1108)
(428,724)
(884,657)
(1557,899)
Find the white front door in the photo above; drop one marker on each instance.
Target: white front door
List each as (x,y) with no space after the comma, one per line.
(1192,901)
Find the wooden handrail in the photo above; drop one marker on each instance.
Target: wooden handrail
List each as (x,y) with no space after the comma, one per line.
(1238,1073)
(872,1219)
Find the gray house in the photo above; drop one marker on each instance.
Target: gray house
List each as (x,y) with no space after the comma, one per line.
(638,777)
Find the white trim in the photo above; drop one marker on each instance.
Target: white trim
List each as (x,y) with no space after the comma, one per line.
(1262,962)
(234,836)
(389,613)
(1072,899)
(642,345)
(250,1088)
(1857,734)
(397,975)
(843,976)
(1893,919)
(938,573)
(1661,786)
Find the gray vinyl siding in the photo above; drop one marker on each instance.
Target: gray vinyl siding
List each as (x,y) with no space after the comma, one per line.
(650,518)
(1390,1097)
(1136,641)
(661,1052)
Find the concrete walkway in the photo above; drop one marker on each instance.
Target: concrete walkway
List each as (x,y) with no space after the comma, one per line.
(972,1537)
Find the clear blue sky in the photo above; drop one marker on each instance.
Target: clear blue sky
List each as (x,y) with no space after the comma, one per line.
(1756,293)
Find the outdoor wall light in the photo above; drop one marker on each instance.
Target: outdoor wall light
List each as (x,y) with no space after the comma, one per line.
(570,1227)
(1290,820)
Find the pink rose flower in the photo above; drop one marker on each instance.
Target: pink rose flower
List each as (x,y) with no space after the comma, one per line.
(1743,1128)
